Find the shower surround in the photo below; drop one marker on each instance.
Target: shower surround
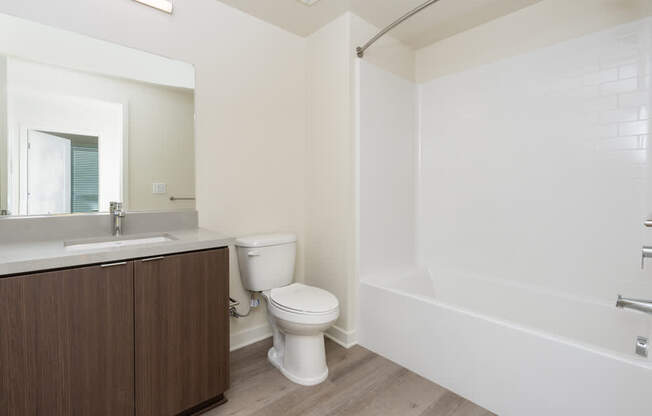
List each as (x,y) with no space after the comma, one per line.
(501,213)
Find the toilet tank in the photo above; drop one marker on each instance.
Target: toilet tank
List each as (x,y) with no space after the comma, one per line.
(266,261)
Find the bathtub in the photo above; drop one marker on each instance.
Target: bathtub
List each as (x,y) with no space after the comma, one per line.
(544,360)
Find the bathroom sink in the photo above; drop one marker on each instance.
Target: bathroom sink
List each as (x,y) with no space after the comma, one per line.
(116,242)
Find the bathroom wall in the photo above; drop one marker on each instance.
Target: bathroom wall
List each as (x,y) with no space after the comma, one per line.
(388,155)
(532,191)
(535,173)
(332,157)
(543,24)
(330,209)
(388,52)
(250,109)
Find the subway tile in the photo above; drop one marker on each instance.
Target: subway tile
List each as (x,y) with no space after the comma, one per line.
(627,114)
(619,87)
(633,128)
(644,113)
(619,55)
(602,131)
(634,99)
(628,71)
(623,143)
(601,77)
(602,103)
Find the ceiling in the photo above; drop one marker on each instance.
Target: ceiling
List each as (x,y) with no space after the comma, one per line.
(441,20)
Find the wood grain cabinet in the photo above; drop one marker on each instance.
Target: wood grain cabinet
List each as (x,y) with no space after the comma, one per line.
(182,331)
(139,337)
(67,339)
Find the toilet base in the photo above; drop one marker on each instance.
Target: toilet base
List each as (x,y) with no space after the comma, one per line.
(273,358)
(303,361)
(298,351)
(276,361)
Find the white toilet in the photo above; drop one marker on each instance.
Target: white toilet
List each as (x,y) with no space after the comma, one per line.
(298,314)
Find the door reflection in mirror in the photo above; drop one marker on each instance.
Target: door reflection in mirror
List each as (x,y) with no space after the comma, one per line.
(62,173)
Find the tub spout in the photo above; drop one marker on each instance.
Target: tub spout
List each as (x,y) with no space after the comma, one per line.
(637,304)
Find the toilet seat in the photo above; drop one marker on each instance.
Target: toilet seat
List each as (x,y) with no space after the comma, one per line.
(304,300)
(302,304)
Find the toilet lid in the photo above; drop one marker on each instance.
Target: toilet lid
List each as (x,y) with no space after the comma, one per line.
(302,298)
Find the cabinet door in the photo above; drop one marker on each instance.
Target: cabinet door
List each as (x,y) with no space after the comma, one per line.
(182,332)
(66,342)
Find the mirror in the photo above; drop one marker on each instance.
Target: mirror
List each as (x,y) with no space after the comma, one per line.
(84,122)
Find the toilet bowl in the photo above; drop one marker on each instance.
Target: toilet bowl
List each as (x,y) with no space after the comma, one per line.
(298,327)
(298,314)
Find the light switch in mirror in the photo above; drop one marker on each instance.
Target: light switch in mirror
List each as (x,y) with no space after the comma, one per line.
(84,122)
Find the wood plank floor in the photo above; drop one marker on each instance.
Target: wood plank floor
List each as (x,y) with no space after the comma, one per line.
(359,383)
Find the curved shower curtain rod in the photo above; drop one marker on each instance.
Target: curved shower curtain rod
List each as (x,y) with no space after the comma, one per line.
(361,49)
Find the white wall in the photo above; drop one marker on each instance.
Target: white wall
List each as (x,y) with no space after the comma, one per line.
(330,192)
(543,24)
(388,52)
(534,184)
(535,170)
(250,105)
(388,154)
(332,157)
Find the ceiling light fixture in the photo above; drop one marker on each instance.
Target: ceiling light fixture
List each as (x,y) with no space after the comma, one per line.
(308,2)
(163,5)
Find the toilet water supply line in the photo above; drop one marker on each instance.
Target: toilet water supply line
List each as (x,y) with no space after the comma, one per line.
(233,307)
(361,49)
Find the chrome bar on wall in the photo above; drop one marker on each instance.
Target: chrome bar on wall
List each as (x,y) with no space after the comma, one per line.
(637,304)
(361,49)
(178,198)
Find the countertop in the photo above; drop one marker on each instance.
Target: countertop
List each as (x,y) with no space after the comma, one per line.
(23,257)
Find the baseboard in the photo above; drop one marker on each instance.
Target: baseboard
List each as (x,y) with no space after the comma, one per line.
(347,339)
(241,339)
(250,336)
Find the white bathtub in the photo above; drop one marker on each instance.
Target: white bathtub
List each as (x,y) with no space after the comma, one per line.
(544,360)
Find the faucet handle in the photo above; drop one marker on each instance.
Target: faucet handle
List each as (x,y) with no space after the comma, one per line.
(115,206)
(646,253)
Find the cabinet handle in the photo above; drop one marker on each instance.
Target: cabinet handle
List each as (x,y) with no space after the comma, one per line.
(122,263)
(153,259)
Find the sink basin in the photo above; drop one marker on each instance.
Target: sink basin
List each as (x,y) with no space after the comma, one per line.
(116,242)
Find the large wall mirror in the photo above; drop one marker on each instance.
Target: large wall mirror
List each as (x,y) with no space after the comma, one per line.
(84,122)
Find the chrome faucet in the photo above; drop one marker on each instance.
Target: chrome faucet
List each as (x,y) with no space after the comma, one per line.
(646,253)
(117,214)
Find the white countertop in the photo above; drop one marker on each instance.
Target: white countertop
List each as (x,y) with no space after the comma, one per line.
(34,256)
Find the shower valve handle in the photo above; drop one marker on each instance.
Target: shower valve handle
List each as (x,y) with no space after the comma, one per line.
(646,252)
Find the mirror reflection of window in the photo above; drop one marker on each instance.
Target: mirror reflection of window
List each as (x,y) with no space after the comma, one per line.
(85,175)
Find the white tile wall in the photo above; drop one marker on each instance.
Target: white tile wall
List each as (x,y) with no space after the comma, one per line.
(535,172)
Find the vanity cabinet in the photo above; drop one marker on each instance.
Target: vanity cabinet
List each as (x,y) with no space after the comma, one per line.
(137,337)
(67,342)
(182,331)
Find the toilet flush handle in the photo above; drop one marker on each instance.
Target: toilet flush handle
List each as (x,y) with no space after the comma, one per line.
(253,253)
